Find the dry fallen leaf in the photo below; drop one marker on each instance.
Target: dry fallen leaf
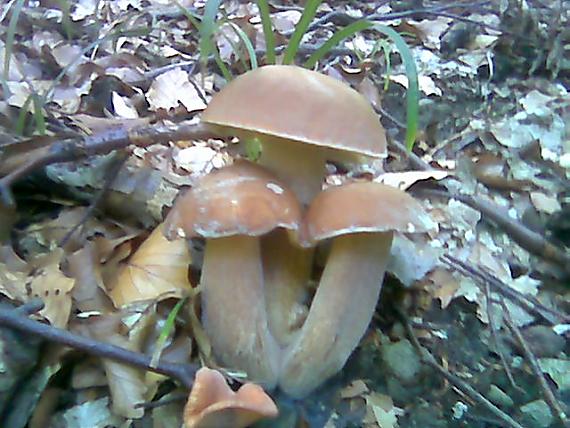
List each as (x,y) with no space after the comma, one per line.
(171,88)
(41,277)
(381,408)
(158,270)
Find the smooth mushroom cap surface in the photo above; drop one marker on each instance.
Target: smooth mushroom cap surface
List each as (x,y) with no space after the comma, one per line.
(232,208)
(212,404)
(293,103)
(302,118)
(242,198)
(361,219)
(362,207)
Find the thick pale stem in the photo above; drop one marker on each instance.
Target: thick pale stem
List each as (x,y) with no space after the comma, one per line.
(233,308)
(340,312)
(287,269)
(300,166)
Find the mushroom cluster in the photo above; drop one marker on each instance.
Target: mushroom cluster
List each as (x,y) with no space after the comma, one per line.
(262,223)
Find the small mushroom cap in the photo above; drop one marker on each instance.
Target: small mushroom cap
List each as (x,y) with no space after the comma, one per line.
(241,199)
(212,404)
(293,103)
(362,207)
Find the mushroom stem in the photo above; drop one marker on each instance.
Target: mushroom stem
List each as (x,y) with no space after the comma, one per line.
(301,167)
(233,308)
(340,312)
(287,269)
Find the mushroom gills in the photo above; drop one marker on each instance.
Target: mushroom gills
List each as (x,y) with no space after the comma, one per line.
(340,312)
(234,309)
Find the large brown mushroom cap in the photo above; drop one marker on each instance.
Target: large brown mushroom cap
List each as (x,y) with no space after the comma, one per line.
(362,207)
(296,104)
(242,199)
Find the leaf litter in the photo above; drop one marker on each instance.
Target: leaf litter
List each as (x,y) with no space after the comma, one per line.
(493,122)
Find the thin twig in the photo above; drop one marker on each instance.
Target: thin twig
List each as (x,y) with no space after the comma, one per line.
(495,337)
(15,319)
(342,18)
(526,302)
(547,392)
(428,359)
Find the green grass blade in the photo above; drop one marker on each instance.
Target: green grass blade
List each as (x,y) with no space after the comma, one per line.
(413,92)
(267,31)
(38,114)
(206,47)
(8,47)
(247,43)
(236,49)
(21,122)
(192,17)
(66,21)
(335,39)
(308,14)
(207,29)
(222,66)
(165,332)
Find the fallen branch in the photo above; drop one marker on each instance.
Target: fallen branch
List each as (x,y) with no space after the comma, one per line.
(17,319)
(70,150)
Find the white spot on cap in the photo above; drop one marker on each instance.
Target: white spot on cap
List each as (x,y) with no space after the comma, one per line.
(275,188)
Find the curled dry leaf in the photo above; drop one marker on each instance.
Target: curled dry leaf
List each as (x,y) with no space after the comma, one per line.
(213,404)
(158,270)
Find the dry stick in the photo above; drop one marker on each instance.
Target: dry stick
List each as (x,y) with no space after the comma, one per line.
(428,359)
(341,18)
(553,403)
(70,150)
(14,318)
(526,302)
(495,337)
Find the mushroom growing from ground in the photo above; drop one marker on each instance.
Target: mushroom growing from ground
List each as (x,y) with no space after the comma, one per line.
(302,118)
(360,218)
(212,404)
(232,208)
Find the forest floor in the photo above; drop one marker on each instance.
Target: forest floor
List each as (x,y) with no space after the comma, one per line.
(473,322)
